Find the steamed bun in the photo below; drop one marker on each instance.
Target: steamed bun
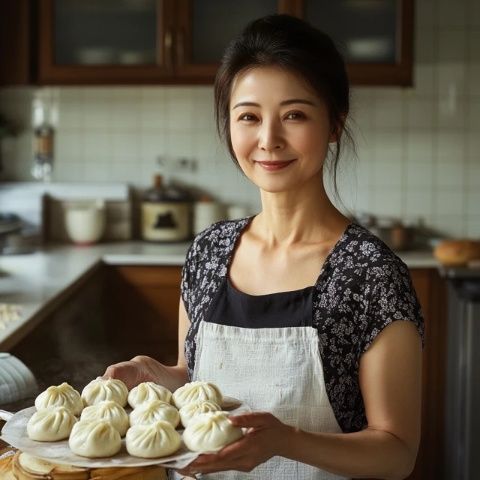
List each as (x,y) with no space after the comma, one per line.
(94,439)
(146,392)
(63,395)
(158,439)
(209,432)
(190,410)
(50,424)
(196,391)
(110,389)
(108,410)
(153,411)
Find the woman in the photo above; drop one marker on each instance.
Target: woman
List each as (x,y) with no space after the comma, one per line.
(294,310)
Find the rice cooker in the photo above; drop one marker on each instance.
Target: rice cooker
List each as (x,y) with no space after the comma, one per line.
(166,213)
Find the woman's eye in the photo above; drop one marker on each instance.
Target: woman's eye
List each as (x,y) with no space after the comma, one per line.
(295,116)
(247,117)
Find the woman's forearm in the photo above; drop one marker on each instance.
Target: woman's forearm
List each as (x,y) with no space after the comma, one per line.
(172,377)
(366,454)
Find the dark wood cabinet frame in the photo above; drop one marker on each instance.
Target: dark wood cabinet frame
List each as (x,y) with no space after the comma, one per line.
(17,54)
(173,47)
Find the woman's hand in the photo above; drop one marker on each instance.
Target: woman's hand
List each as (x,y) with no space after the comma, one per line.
(266,437)
(137,370)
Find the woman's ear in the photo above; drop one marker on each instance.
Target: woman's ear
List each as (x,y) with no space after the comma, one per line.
(337,130)
(333,137)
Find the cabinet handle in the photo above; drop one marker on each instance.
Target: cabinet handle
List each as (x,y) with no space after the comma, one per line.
(168,48)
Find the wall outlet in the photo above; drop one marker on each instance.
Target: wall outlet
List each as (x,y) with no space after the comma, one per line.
(176,164)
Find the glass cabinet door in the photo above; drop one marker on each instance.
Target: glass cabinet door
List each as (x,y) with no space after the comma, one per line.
(205,27)
(365,31)
(105,32)
(105,41)
(374,36)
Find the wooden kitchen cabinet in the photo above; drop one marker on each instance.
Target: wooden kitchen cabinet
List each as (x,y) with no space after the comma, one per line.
(105,41)
(205,27)
(142,310)
(181,41)
(376,38)
(431,292)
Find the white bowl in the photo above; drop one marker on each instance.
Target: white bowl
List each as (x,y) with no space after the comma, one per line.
(16,380)
(85,222)
(97,56)
(134,57)
(369,49)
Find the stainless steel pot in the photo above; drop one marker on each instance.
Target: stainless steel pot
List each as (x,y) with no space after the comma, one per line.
(9,224)
(13,240)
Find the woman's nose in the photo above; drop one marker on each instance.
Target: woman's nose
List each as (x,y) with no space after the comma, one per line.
(270,136)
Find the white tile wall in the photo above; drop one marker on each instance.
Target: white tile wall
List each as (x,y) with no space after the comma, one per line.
(418,148)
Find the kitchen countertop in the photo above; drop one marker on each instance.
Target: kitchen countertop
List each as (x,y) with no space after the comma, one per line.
(39,281)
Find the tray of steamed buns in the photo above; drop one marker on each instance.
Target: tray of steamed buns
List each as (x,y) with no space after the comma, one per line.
(107,425)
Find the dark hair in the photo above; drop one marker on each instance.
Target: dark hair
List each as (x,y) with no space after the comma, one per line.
(293,44)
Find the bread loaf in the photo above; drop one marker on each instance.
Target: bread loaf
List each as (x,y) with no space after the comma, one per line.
(457,253)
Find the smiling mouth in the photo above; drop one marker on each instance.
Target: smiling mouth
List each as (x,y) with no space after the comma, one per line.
(274,165)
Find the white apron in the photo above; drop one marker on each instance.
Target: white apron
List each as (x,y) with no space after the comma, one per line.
(278,370)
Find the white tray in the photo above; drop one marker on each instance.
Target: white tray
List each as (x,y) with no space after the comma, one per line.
(15,433)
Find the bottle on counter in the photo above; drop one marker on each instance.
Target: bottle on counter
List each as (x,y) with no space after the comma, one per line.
(166,213)
(43,139)
(400,236)
(43,152)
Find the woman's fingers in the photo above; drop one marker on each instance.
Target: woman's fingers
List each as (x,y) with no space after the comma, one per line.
(230,452)
(125,371)
(253,420)
(186,474)
(117,370)
(247,452)
(231,457)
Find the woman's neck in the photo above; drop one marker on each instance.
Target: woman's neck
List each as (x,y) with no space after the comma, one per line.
(298,217)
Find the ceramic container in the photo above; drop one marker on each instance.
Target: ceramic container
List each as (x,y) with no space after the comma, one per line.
(85,221)
(205,213)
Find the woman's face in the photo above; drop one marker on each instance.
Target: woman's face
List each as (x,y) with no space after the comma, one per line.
(279,129)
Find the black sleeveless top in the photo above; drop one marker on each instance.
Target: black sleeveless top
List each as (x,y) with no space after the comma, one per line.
(275,310)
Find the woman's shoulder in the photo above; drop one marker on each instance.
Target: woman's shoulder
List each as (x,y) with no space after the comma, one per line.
(218,239)
(361,249)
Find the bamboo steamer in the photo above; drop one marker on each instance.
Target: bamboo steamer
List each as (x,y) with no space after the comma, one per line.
(27,467)
(139,473)
(6,468)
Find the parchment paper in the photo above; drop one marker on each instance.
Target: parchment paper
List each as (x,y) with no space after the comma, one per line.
(15,433)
